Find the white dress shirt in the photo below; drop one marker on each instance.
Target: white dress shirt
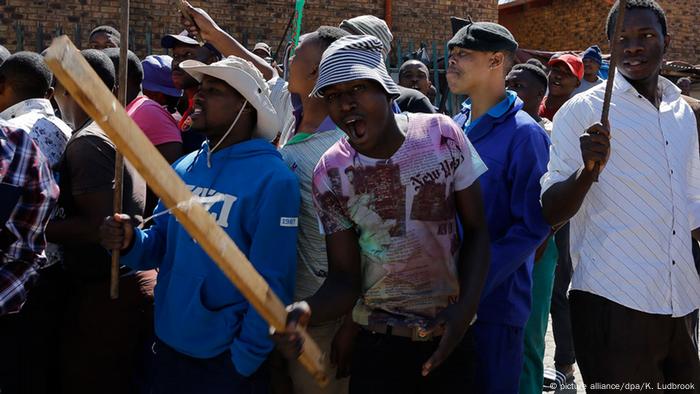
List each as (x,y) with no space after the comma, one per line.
(36,116)
(630,241)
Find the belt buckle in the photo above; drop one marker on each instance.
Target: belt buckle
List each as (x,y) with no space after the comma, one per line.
(418,334)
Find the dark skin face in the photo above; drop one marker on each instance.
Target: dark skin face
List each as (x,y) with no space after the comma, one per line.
(528,89)
(684,85)
(642,46)
(415,75)
(362,109)
(261,53)
(303,65)
(183,52)
(590,69)
(562,82)
(70,110)
(216,105)
(102,40)
(465,68)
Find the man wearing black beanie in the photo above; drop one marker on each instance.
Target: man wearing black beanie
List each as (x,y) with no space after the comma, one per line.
(515,149)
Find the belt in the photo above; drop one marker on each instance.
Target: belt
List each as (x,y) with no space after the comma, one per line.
(416,334)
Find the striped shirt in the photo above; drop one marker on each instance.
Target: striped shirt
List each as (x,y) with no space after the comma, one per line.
(302,155)
(630,240)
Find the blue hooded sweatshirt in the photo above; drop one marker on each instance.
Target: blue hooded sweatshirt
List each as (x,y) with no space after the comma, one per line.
(198,311)
(516,151)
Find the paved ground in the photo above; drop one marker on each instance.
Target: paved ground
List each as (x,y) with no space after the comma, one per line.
(549,362)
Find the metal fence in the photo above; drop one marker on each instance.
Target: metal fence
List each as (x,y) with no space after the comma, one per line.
(433,53)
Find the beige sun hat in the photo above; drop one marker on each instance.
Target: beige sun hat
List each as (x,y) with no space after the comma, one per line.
(249,82)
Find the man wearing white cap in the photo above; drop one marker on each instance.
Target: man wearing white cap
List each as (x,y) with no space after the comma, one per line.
(209,339)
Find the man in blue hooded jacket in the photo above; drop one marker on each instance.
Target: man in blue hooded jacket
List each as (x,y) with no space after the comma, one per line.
(209,339)
(515,150)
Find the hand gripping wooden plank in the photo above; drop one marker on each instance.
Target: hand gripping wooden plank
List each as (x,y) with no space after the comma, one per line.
(76,75)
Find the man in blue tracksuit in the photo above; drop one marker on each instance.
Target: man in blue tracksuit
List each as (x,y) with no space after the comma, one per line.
(209,338)
(515,149)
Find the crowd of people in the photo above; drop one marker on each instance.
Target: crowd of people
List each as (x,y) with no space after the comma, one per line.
(423,253)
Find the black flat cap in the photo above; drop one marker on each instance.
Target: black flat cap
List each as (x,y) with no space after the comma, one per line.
(485,37)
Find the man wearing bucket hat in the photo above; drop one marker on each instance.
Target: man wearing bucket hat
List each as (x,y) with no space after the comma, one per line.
(209,338)
(388,197)
(157,82)
(409,100)
(515,149)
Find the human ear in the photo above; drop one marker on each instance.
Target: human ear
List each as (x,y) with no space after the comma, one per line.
(314,72)
(497,60)
(49,93)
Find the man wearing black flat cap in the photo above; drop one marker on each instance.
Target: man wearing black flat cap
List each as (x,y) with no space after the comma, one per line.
(184,48)
(515,150)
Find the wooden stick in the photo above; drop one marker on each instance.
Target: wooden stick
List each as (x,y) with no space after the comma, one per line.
(76,75)
(614,57)
(119,159)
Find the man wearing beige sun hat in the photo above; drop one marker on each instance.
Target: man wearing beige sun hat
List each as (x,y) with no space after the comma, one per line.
(208,338)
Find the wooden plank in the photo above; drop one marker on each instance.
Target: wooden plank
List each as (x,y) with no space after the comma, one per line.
(119,159)
(76,75)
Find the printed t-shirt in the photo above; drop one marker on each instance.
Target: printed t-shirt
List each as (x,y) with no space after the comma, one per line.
(404,213)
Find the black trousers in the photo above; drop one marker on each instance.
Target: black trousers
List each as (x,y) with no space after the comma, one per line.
(617,346)
(561,316)
(384,364)
(29,340)
(177,373)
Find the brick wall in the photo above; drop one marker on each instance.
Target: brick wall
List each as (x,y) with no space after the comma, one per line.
(576,24)
(416,20)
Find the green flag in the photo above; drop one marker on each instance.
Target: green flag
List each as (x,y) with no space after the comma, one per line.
(299,10)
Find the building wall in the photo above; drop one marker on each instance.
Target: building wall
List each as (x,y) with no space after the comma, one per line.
(558,25)
(416,20)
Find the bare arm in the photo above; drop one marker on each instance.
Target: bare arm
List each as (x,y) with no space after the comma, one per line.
(171,151)
(341,289)
(474,254)
(562,200)
(208,30)
(84,226)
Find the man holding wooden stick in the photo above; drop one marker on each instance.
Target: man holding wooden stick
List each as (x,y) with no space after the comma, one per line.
(92,320)
(635,288)
(209,338)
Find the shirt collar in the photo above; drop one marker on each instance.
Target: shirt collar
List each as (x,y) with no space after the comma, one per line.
(326,125)
(41,106)
(669,91)
(495,112)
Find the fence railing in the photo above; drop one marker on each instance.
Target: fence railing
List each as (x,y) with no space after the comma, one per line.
(147,42)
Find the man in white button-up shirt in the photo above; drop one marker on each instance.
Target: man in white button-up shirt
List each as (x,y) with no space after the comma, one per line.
(635,288)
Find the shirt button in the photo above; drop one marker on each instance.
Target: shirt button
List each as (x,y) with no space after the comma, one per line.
(671,172)
(674,232)
(673,262)
(666,142)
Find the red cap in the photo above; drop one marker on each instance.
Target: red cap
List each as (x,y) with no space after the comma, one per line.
(572,61)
